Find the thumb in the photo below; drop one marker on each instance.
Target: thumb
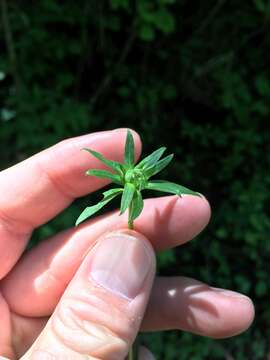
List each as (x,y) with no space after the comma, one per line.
(101,310)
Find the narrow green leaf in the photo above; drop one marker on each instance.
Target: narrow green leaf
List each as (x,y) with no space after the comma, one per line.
(112,164)
(160,165)
(129,149)
(170,187)
(105,174)
(151,159)
(136,206)
(112,192)
(91,210)
(127,197)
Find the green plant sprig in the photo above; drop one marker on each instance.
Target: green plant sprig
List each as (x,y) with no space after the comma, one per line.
(133,179)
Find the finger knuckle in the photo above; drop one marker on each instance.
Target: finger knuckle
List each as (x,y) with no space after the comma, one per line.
(78,325)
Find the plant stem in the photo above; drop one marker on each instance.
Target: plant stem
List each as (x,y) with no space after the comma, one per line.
(130,226)
(130,222)
(130,354)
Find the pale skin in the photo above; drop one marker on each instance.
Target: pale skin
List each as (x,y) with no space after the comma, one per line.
(50,293)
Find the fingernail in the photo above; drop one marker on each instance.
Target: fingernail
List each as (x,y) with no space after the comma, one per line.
(120,264)
(230,293)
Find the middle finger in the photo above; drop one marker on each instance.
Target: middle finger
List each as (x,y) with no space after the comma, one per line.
(175,303)
(39,279)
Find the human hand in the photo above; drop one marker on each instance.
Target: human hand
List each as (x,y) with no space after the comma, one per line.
(83,292)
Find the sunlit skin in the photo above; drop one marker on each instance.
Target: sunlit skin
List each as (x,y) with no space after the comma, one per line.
(35,282)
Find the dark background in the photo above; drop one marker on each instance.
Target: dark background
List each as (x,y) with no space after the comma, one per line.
(191,75)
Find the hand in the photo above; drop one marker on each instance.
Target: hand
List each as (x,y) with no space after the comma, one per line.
(84,291)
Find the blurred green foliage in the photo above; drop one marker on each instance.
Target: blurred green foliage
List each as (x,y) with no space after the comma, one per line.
(191,75)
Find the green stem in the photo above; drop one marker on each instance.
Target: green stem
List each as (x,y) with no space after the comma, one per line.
(133,351)
(130,354)
(130,226)
(130,222)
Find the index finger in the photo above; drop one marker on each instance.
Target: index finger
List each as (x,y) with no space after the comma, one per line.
(37,189)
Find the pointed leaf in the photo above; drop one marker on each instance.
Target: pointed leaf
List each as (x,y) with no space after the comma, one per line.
(91,210)
(136,206)
(112,192)
(105,174)
(112,164)
(160,165)
(129,149)
(170,187)
(127,197)
(151,159)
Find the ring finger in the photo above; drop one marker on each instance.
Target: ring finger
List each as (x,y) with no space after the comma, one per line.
(175,303)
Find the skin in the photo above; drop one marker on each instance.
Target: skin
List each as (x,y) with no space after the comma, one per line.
(35,285)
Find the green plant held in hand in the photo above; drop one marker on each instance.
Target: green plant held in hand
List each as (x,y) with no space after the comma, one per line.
(133,179)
